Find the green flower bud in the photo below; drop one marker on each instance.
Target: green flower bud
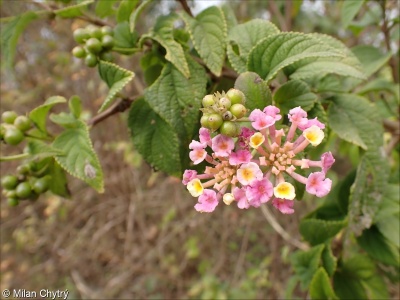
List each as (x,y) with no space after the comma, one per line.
(94,31)
(229,128)
(224,103)
(9,182)
(208,100)
(107,30)
(23,190)
(23,123)
(107,42)
(13,136)
(204,121)
(12,201)
(91,60)
(236,96)
(238,110)
(93,45)
(79,52)
(81,35)
(214,121)
(9,117)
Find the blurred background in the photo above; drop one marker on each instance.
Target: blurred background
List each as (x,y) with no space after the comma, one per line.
(142,238)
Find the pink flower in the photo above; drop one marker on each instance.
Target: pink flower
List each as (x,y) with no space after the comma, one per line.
(222,145)
(260,120)
(309,123)
(207,201)
(318,185)
(273,112)
(240,197)
(327,161)
(283,205)
(259,191)
(204,135)
(188,176)
(197,145)
(239,157)
(297,115)
(197,155)
(249,172)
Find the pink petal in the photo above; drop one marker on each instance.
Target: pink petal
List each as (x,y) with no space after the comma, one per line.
(239,157)
(222,145)
(284,206)
(318,185)
(207,201)
(188,175)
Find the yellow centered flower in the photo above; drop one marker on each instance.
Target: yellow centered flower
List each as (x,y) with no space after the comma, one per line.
(284,190)
(256,140)
(195,187)
(314,135)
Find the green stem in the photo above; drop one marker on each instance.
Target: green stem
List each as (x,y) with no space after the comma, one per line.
(243,120)
(14,157)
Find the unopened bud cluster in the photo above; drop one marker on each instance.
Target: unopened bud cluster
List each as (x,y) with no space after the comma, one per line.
(254,165)
(221,112)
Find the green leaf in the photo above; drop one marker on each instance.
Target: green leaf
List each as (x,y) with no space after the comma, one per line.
(104,8)
(305,264)
(155,140)
(208,33)
(318,231)
(349,10)
(163,34)
(278,51)
(65,120)
(74,10)
(320,286)
(255,89)
(371,58)
(39,114)
(124,39)
(329,261)
(229,15)
(346,65)
(351,276)
(388,215)
(40,149)
(80,159)
(292,94)
(378,247)
(58,182)
(10,33)
(136,14)
(116,78)
(376,287)
(125,9)
(75,106)
(379,85)
(354,119)
(242,38)
(177,100)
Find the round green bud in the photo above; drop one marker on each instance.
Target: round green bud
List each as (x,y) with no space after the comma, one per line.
(41,185)
(94,31)
(9,182)
(214,121)
(25,168)
(23,123)
(238,110)
(227,116)
(81,35)
(236,96)
(229,128)
(91,60)
(204,121)
(9,117)
(208,100)
(23,190)
(11,194)
(107,42)
(224,103)
(107,30)
(13,136)
(12,201)
(107,56)
(2,130)
(93,45)
(79,52)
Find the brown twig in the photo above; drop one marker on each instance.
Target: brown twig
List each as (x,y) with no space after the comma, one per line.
(288,14)
(275,12)
(120,106)
(386,33)
(185,7)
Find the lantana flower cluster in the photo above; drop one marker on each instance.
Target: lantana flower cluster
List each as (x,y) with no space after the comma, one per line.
(254,168)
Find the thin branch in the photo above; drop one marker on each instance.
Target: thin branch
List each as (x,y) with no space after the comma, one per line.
(282,232)
(120,106)
(386,32)
(185,7)
(288,14)
(275,12)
